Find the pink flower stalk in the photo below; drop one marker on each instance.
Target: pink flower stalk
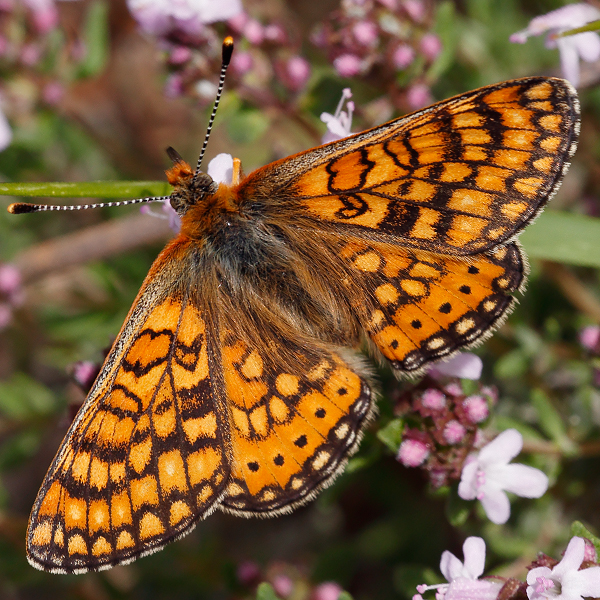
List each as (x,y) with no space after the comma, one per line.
(565,581)
(413,453)
(584,46)
(487,476)
(348,65)
(339,124)
(463,578)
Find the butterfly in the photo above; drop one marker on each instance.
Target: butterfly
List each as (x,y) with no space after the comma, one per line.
(235,382)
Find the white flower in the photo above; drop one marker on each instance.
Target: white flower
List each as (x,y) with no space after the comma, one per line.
(220,168)
(488,475)
(565,581)
(340,123)
(573,47)
(463,578)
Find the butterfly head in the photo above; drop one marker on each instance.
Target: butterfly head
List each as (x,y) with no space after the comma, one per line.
(189,187)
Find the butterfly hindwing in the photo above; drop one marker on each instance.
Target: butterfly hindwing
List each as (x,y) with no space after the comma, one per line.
(293,425)
(146,456)
(459,177)
(418,306)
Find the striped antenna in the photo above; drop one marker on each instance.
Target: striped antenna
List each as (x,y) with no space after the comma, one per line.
(19,208)
(227,52)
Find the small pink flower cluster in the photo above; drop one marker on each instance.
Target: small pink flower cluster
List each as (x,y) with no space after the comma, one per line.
(11,293)
(380,38)
(444,422)
(186,32)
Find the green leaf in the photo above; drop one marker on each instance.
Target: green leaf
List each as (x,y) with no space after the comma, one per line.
(551,421)
(579,529)
(391,434)
(22,397)
(265,591)
(88,189)
(564,237)
(96,40)
(457,509)
(344,596)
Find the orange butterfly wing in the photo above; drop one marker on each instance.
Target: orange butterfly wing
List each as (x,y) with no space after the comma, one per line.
(146,456)
(459,177)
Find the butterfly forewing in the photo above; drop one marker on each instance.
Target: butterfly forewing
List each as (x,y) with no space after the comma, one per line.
(459,177)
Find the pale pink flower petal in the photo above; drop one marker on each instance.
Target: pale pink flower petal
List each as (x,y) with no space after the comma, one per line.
(465,365)
(5,132)
(339,124)
(347,65)
(220,168)
(327,591)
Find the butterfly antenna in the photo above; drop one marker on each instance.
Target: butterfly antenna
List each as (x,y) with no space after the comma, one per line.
(19,208)
(227,52)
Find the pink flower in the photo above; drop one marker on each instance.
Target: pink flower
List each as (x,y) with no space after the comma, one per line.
(431,46)
(283,585)
(565,581)
(44,14)
(298,71)
(487,476)
(418,96)
(53,93)
(327,591)
(220,168)
(365,33)
(347,65)
(180,55)
(571,48)
(339,124)
(454,432)
(254,32)
(241,62)
(10,280)
(434,399)
(476,409)
(589,338)
(415,9)
(275,33)
(403,56)
(412,453)
(247,572)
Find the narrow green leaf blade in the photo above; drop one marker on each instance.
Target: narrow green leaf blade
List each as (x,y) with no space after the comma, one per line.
(88,189)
